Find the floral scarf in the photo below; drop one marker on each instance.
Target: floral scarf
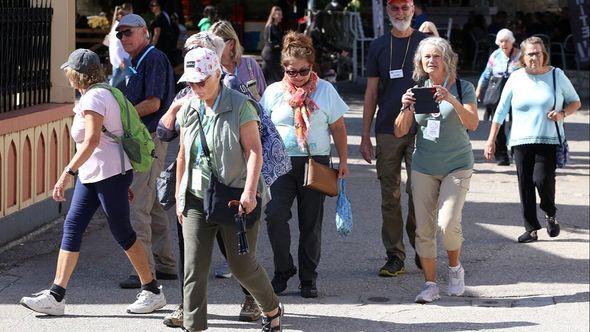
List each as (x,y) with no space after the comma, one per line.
(303,106)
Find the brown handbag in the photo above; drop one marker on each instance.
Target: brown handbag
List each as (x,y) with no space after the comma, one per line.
(319,177)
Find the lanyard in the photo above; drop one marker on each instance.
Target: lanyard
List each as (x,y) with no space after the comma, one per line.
(202,115)
(391,51)
(133,69)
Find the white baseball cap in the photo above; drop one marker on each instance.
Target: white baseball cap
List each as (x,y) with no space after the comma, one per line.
(199,64)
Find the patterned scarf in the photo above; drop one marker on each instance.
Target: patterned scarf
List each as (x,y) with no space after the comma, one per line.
(302,104)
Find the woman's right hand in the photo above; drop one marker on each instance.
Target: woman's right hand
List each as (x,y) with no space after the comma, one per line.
(489,150)
(408,99)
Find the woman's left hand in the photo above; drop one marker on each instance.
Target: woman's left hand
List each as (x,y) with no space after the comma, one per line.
(248,201)
(442,94)
(556,115)
(342,171)
(58,189)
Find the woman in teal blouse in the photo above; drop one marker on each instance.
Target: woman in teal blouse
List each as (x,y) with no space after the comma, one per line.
(442,162)
(537,102)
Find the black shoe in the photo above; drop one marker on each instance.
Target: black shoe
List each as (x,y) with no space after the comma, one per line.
(393,267)
(131,282)
(279,281)
(166,276)
(308,289)
(552,226)
(527,237)
(417,261)
(503,161)
(267,320)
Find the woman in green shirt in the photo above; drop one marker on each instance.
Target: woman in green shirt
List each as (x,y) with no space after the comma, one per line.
(442,162)
(229,122)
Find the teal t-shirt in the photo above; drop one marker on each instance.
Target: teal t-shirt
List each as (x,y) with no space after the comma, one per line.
(275,101)
(531,98)
(451,151)
(204,24)
(198,162)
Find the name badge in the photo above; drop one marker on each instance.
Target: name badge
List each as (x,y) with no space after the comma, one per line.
(197,179)
(432,129)
(397,73)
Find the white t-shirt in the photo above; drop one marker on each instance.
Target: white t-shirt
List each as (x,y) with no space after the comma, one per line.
(105,161)
(117,54)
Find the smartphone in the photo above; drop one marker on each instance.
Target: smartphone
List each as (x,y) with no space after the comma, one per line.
(425,103)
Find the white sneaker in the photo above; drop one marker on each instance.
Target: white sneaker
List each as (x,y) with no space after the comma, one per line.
(223,272)
(456,282)
(147,302)
(428,294)
(44,303)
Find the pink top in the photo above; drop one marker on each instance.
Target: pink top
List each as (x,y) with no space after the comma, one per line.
(105,161)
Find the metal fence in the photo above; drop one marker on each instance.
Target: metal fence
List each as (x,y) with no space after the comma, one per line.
(25,49)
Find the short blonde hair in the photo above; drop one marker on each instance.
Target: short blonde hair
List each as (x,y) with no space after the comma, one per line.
(225,30)
(83,81)
(449,57)
(532,41)
(430,27)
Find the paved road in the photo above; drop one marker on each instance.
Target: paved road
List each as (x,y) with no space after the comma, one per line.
(542,286)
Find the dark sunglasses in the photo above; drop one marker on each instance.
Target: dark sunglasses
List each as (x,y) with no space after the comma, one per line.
(202,83)
(300,72)
(127,33)
(430,33)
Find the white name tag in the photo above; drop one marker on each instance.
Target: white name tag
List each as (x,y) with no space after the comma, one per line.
(397,73)
(197,179)
(433,129)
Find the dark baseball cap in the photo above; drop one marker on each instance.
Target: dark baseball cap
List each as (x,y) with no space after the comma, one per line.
(131,20)
(83,61)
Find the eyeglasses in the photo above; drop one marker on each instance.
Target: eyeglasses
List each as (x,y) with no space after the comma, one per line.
(200,84)
(127,33)
(301,72)
(533,54)
(404,9)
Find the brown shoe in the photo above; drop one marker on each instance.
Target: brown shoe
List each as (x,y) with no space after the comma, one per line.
(250,311)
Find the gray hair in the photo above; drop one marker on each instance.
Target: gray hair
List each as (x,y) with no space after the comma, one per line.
(205,39)
(504,34)
(449,57)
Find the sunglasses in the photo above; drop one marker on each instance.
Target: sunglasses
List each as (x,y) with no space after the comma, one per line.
(301,72)
(430,33)
(127,33)
(200,84)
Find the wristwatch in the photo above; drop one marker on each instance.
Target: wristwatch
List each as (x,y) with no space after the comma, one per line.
(69,170)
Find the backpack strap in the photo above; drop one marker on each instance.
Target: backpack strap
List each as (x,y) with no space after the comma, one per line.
(250,70)
(459,89)
(555,104)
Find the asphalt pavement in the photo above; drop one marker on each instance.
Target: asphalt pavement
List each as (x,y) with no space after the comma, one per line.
(542,286)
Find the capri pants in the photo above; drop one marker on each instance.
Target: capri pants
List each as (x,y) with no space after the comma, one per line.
(112,195)
(442,196)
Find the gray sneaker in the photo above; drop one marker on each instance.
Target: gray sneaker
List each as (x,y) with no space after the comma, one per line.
(175,318)
(223,271)
(456,282)
(428,294)
(44,303)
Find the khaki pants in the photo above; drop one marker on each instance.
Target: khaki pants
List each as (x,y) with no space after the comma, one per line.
(389,153)
(148,218)
(442,195)
(199,237)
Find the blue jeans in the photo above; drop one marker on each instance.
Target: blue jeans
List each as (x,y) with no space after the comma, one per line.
(111,194)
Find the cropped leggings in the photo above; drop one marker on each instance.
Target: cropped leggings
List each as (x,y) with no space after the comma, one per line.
(112,195)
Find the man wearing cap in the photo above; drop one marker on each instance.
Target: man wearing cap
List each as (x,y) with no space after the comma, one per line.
(389,70)
(150,87)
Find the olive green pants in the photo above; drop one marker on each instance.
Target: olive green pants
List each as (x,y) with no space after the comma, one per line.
(199,237)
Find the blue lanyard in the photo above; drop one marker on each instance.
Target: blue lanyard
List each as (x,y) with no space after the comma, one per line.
(202,116)
(141,59)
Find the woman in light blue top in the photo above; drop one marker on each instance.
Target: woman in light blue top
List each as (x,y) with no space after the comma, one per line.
(502,62)
(442,162)
(539,96)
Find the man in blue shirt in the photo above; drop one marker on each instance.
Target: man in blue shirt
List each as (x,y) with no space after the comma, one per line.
(150,87)
(389,70)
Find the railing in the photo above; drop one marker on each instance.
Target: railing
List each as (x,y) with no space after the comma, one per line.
(25,48)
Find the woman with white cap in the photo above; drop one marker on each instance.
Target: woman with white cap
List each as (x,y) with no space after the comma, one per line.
(219,143)
(501,64)
(99,182)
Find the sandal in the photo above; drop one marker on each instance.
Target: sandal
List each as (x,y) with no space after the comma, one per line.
(266,321)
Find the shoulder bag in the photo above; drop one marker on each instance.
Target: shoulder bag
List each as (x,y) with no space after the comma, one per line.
(218,195)
(562,151)
(495,86)
(319,177)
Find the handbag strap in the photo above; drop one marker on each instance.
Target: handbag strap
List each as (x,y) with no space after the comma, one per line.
(204,145)
(554,105)
(309,153)
(508,62)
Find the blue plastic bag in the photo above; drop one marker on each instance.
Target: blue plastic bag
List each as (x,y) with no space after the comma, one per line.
(343,210)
